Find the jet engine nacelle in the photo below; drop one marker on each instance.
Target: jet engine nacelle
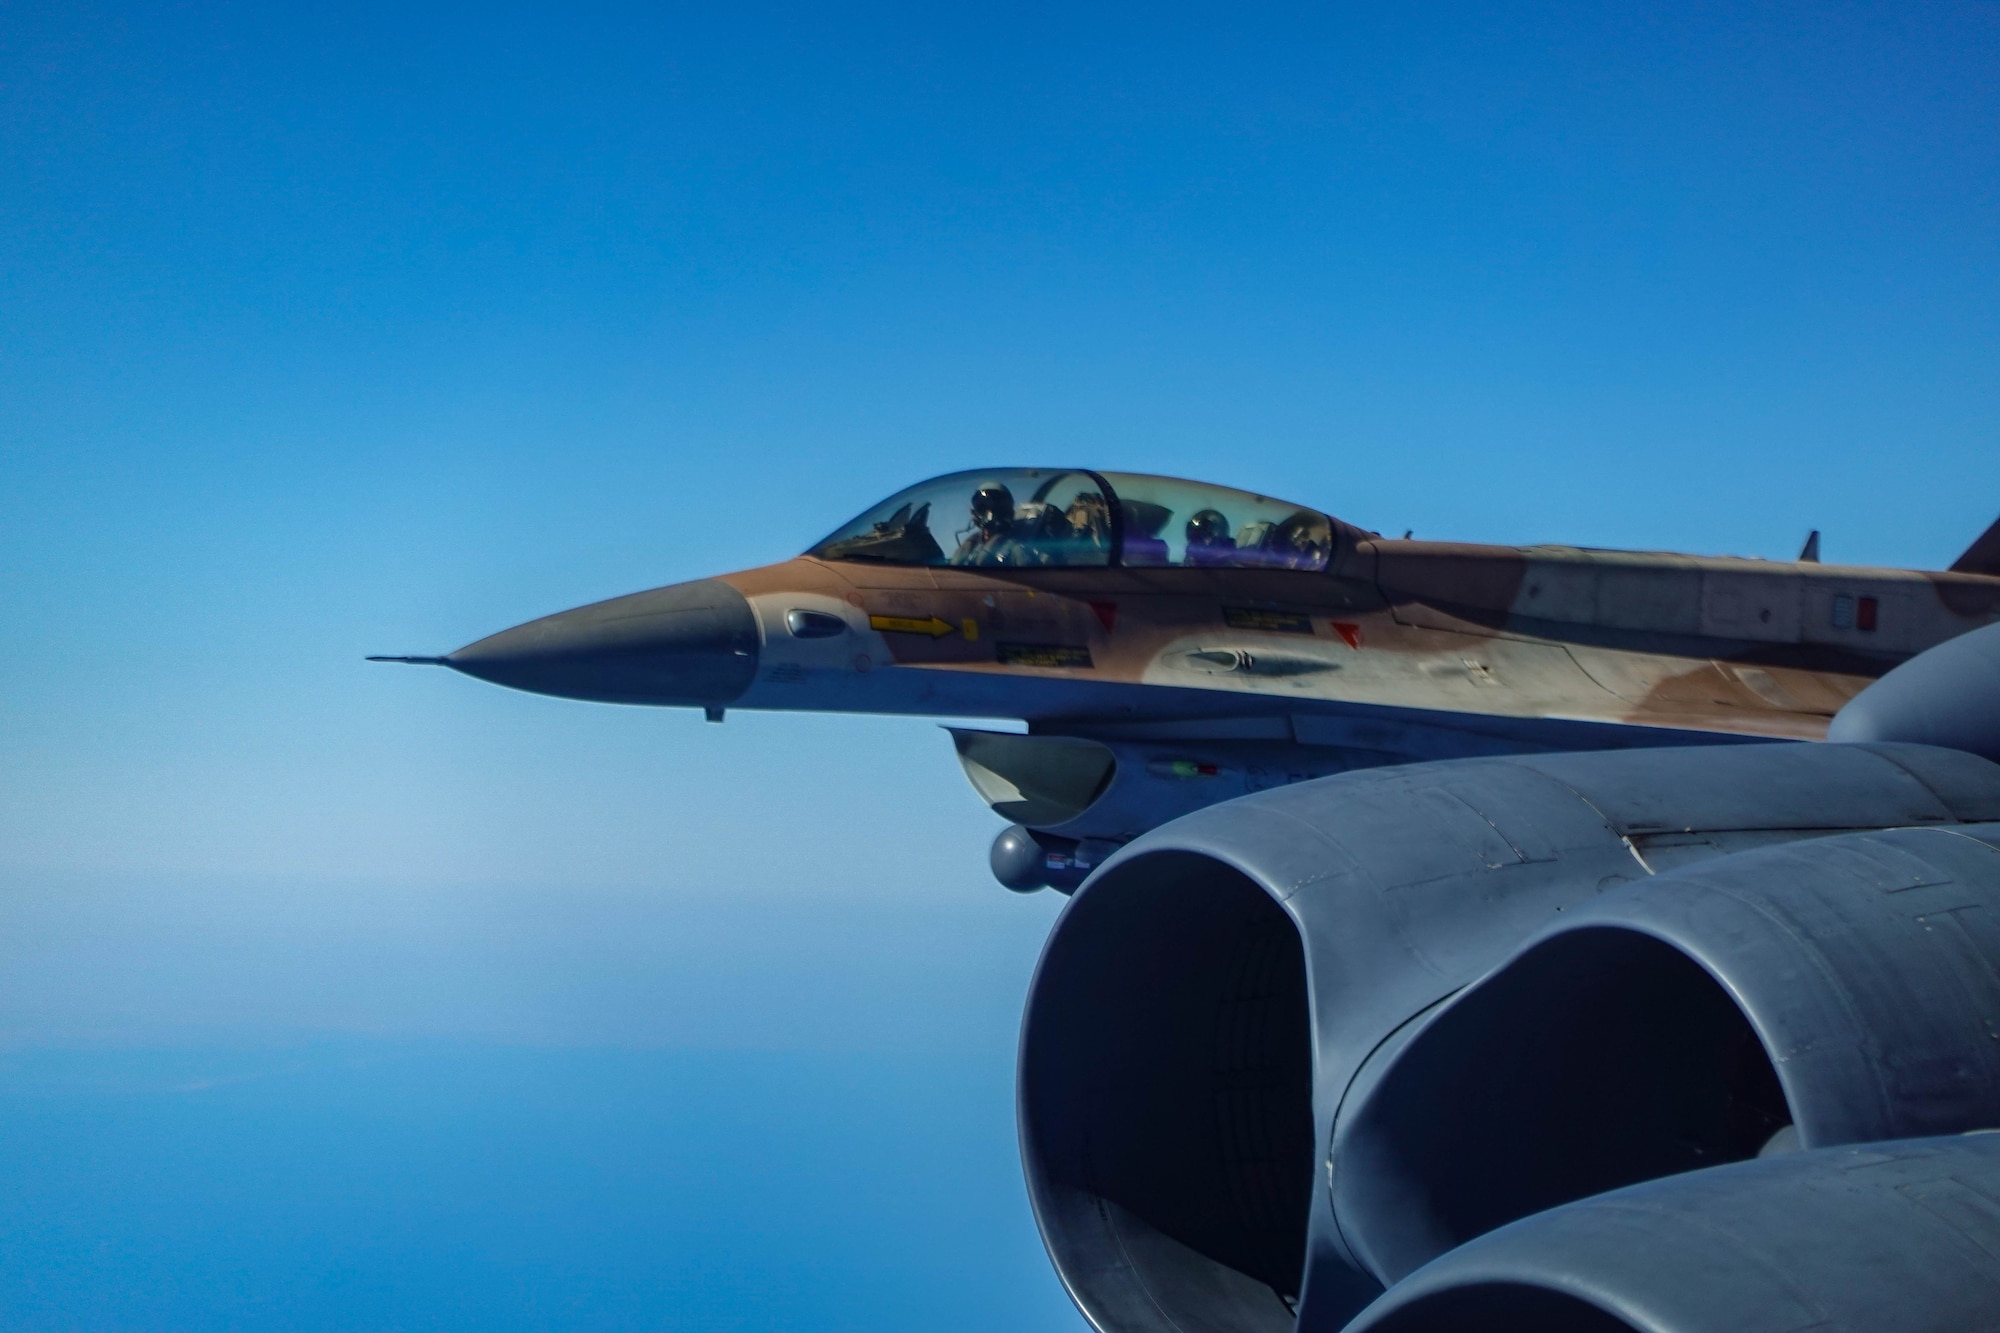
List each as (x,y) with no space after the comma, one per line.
(1894,1237)
(1948,695)
(1837,991)
(1259,1086)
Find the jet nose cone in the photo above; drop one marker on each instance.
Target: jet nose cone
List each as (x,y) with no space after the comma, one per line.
(693,644)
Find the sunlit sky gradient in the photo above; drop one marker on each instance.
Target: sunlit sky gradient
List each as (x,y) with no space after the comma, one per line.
(337,330)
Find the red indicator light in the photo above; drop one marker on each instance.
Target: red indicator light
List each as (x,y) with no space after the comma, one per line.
(1864,614)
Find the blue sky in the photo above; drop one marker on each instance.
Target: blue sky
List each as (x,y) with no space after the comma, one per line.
(343,329)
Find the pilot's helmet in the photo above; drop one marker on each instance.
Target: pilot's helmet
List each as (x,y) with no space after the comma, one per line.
(992,505)
(1207,528)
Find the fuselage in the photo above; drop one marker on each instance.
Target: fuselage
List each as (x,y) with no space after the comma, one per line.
(1735,646)
(1713,644)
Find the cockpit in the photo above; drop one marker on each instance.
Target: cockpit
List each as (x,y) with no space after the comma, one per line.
(1037,518)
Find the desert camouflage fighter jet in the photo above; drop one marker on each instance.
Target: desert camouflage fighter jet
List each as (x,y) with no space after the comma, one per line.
(1172,644)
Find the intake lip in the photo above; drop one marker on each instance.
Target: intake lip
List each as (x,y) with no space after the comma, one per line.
(689,644)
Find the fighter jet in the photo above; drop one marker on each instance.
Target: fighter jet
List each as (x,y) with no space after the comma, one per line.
(1171,644)
(1668,1033)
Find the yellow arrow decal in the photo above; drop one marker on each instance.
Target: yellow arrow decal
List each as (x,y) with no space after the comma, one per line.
(931,625)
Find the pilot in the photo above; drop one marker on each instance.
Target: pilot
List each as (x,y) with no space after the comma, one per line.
(1090,520)
(1299,542)
(1208,540)
(992,540)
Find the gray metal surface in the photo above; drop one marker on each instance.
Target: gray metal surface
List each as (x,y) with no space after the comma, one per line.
(1019,861)
(692,644)
(1779,787)
(1844,987)
(1894,1237)
(1948,695)
(1165,1115)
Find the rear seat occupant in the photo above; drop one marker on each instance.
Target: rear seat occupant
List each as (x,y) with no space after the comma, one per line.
(1208,540)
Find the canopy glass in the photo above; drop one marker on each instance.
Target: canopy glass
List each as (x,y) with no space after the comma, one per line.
(1041,517)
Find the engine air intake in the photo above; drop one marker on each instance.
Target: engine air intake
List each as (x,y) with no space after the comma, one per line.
(1166,1099)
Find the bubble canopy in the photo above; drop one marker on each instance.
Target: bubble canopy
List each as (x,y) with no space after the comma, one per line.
(1035,518)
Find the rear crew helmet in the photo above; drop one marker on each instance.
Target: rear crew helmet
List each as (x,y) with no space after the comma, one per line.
(1207,527)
